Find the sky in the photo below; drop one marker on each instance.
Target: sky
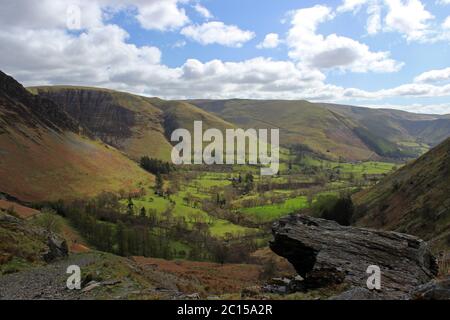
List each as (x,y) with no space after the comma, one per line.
(373,53)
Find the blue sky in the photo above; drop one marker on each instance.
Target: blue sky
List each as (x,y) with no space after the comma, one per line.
(375,53)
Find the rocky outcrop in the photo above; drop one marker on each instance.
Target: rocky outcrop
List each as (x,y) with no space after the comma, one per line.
(325,253)
(57,248)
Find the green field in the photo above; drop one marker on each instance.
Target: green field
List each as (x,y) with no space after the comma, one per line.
(272,212)
(217,227)
(366,167)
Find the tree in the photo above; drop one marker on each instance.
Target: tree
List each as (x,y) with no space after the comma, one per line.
(333,208)
(156,166)
(159,184)
(130,206)
(122,239)
(220,253)
(248,183)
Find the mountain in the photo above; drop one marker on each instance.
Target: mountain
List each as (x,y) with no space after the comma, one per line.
(45,154)
(136,125)
(400,126)
(414,200)
(141,126)
(335,131)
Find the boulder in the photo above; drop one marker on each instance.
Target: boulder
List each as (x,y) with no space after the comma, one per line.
(325,253)
(57,248)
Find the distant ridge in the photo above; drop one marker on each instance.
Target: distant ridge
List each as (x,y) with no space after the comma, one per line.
(337,131)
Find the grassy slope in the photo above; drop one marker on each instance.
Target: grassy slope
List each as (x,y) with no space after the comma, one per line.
(299,122)
(415,199)
(43,161)
(64,166)
(182,115)
(21,244)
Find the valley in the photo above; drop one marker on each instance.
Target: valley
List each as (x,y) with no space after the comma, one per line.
(93,167)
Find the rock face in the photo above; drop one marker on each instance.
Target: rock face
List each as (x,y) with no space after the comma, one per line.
(96,110)
(325,253)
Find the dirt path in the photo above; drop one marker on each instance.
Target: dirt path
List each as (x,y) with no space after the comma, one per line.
(47,282)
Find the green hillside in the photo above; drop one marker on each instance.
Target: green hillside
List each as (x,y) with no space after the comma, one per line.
(415,199)
(300,122)
(337,131)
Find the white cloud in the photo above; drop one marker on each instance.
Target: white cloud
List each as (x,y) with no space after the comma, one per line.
(271,40)
(434,76)
(218,32)
(48,14)
(351,5)
(102,57)
(161,14)
(443,2)
(96,56)
(408,17)
(332,51)
(406,90)
(374,20)
(446,24)
(204,12)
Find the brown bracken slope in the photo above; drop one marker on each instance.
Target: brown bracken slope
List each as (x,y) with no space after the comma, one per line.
(46,155)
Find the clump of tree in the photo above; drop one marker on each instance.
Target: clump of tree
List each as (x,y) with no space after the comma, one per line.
(244,184)
(156,166)
(127,230)
(330,207)
(114,227)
